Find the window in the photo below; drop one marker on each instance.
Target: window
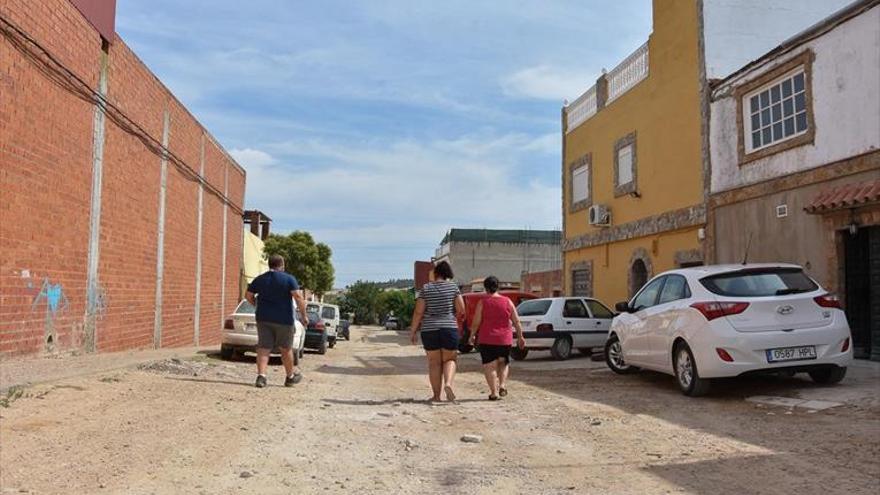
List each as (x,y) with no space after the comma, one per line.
(648,296)
(676,288)
(537,307)
(581,282)
(774,109)
(598,310)
(245,308)
(776,112)
(328,313)
(580,185)
(760,283)
(574,308)
(625,165)
(313,308)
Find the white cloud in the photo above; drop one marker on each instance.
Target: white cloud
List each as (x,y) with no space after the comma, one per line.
(548,83)
(249,157)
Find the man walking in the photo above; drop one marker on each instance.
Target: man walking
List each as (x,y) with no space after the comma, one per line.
(273,293)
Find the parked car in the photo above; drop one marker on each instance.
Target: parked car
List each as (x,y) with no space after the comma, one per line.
(329,324)
(562,324)
(392,323)
(344,329)
(330,315)
(470,303)
(240,332)
(316,333)
(730,320)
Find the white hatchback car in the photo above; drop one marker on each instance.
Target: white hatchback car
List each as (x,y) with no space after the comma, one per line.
(562,324)
(729,320)
(240,332)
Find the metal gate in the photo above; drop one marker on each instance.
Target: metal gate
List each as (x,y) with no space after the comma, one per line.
(862,265)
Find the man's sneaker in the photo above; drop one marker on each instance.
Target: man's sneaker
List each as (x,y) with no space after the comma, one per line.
(261,381)
(293,380)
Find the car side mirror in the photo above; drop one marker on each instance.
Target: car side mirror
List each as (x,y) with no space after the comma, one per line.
(622,307)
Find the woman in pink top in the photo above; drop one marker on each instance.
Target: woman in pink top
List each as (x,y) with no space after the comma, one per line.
(492,319)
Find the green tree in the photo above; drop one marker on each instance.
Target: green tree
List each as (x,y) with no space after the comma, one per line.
(399,303)
(309,262)
(361,299)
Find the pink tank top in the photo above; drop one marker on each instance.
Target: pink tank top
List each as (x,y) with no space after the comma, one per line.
(495,326)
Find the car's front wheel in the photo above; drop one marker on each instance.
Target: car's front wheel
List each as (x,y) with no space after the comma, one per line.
(614,357)
(518,354)
(828,376)
(686,373)
(561,349)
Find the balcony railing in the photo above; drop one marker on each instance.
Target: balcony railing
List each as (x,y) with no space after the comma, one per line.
(628,73)
(608,88)
(581,109)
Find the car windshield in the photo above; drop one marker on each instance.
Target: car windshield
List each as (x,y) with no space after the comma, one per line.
(328,313)
(535,307)
(245,307)
(760,283)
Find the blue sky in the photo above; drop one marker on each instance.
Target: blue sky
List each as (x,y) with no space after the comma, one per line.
(378,125)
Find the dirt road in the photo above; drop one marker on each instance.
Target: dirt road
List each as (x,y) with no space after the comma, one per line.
(356,425)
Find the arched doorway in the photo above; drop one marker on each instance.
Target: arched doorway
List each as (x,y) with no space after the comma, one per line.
(638,276)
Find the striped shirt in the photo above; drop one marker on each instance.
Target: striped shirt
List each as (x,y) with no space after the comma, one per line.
(439,300)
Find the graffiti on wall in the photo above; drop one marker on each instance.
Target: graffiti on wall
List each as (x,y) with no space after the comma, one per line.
(51,295)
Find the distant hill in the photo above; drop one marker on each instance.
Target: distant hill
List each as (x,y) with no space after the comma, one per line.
(400,283)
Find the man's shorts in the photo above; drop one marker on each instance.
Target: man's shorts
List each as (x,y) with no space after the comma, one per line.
(444,338)
(274,335)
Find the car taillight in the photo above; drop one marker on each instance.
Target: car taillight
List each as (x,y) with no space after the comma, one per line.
(845,346)
(712,310)
(228,324)
(828,301)
(544,327)
(319,326)
(724,355)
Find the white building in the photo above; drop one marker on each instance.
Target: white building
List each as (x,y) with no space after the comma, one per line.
(794,146)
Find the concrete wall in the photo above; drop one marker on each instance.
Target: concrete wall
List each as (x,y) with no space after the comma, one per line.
(81,211)
(739,31)
(845,102)
(507,261)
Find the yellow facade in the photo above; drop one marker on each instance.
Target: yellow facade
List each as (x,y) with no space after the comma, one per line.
(254,261)
(663,217)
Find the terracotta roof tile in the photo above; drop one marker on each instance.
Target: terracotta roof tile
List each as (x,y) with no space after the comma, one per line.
(846,196)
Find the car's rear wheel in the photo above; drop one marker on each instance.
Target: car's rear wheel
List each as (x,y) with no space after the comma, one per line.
(332,342)
(561,348)
(226,352)
(686,373)
(828,376)
(518,354)
(322,347)
(614,357)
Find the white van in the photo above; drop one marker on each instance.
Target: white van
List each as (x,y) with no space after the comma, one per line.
(329,313)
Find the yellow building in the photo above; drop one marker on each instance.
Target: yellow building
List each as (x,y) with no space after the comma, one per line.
(634,184)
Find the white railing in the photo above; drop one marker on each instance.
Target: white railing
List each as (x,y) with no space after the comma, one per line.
(628,73)
(581,109)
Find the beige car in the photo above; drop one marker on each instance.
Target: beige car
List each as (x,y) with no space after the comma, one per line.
(240,333)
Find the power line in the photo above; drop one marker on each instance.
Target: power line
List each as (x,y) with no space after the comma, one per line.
(68,80)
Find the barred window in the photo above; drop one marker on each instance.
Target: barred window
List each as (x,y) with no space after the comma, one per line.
(776,112)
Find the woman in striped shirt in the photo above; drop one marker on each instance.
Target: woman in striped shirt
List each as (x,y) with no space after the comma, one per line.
(438,309)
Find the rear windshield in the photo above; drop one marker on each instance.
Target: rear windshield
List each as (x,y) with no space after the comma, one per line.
(535,307)
(328,313)
(245,307)
(760,283)
(312,308)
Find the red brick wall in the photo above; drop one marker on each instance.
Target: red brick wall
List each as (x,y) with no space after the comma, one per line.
(547,281)
(46,155)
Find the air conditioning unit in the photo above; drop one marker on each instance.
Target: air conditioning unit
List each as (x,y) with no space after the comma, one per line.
(599,215)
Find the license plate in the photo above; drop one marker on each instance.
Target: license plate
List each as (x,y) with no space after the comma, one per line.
(251,327)
(791,354)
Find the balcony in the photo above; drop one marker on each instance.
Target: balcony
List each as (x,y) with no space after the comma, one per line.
(608,88)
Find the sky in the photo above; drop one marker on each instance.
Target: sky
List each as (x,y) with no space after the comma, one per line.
(378,125)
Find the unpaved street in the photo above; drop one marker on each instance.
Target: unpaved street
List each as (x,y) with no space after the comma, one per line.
(356,425)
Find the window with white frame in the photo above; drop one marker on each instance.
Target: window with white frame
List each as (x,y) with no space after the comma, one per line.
(580,184)
(625,165)
(776,112)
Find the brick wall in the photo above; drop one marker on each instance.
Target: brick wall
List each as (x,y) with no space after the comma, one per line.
(47,151)
(542,284)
